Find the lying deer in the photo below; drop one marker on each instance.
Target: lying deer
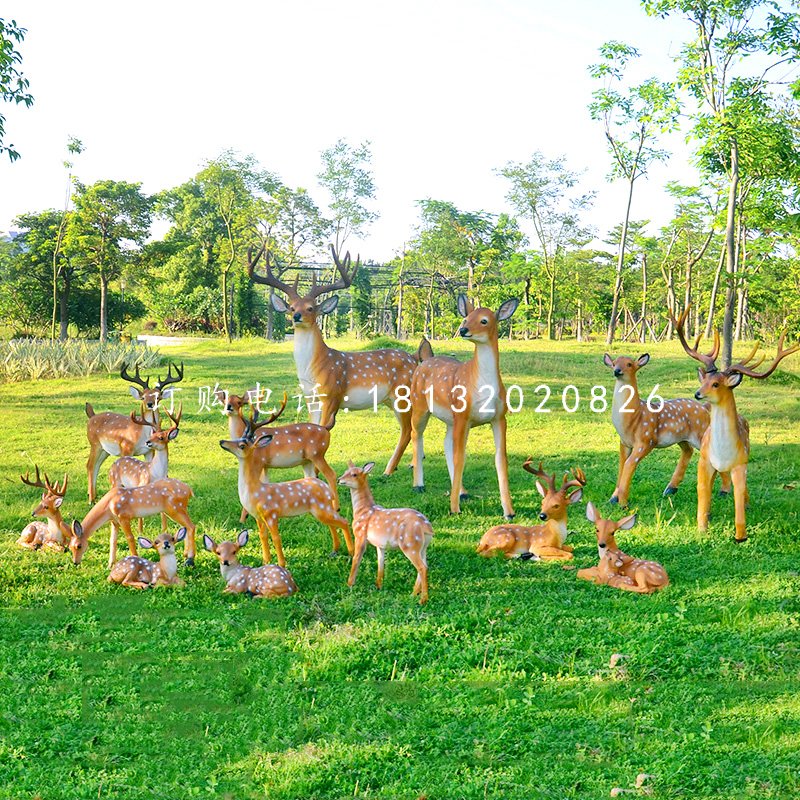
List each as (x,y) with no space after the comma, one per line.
(268,580)
(616,568)
(539,542)
(54,533)
(269,502)
(139,573)
(393,528)
(642,429)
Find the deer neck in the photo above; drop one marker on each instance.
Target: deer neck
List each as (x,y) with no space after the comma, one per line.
(231,572)
(98,515)
(486,366)
(235,426)
(627,398)
(309,346)
(363,500)
(724,435)
(558,529)
(168,564)
(159,465)
(56,526)
(249,480)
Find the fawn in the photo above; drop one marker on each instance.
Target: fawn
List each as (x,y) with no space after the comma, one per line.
(139,573)
(268,580)
(402,528)
(54,533)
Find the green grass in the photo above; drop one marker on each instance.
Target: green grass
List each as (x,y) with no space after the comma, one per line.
(499,688)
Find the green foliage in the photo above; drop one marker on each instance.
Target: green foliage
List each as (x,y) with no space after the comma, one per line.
(13,84)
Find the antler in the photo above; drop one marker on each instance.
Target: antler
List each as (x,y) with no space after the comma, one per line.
(176,421)
(578,479)
(708,360)
(142,420)
(268,278)
(744,368)
(55,488)
(272,417)
(345,279)
(550,480)
(135,378)
(177,378)
(37,484)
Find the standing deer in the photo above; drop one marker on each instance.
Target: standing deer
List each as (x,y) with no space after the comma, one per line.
(403,528)
(353,381)
(116,434)
(270,502)
(545,541)
(642,429)
(616,568)
(726,443)
(54,533)
(121,506)
(140,573)
(463,395)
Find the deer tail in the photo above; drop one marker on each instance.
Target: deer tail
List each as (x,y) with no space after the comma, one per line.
(89,410)
(424,351)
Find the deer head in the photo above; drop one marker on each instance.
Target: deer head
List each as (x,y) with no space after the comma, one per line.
(160,439)
(356,477)
(480,324)
(556,501)
(625,367)
(226,552)
(606,528)
(141,390)
(52,496)
(164,544)
(248,440)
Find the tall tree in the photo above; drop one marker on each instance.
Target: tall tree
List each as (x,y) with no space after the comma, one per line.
(632,119)
(13,84)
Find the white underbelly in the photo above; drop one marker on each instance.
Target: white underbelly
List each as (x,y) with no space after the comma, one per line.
(111,447)
(359,398)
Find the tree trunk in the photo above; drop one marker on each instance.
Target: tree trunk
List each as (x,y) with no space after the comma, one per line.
(400,300)
(730,269)
(712,303)
(551,304)
(103,307)
(63,303)
(225,327)
(643,313)
(623,239)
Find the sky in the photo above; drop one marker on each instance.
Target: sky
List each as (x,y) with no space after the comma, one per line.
(446,91)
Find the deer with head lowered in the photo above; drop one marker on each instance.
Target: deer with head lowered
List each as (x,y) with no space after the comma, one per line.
(643,428)
(53,534)
(463,395)
(543,542)
(726,442)
(115,434)
(353,381)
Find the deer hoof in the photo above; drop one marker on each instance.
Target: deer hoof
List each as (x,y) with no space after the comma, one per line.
(419,488)
(464,496)
(529,557)
(189,562)
(509,517)
(740,541)
(614,500)
(670,490)
(723,493)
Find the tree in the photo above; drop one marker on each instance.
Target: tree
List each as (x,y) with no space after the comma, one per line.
(110,218)
(632,119)
(712,70)
(13,84)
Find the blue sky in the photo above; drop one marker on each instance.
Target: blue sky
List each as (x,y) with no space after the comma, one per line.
(446,91)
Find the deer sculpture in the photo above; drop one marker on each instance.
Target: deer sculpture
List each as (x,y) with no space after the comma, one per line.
(463,395)
(53,534)
(543,542)
(140,573)
(393,528)
(269,580)
(117,434)
(616,568)
(352,381)
(642,429)
(726,442)
(270,502)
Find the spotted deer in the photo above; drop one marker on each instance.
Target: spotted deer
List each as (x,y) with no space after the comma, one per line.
(269,580)
(115,434)
(140,573)
(543,542)
(726,442)
(616,568)
(270,502)
(393,528)
(53,534)
(341,380)
(463,395)
(643,427)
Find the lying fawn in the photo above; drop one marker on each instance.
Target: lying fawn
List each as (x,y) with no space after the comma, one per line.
(402,528)
(54,533)
(544,541)
(268,580)
(139,573)
(616,568)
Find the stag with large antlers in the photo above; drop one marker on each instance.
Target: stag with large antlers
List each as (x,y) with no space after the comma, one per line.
(53,534)
(543,542)
(352,381)
(115,434)
(726,443)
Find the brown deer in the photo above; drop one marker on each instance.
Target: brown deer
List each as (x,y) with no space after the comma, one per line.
(726,442)
(352,381)
(53,534)
(463,395)
(140,573)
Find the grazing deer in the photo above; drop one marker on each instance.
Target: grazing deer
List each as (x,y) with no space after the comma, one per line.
(139,573)
(116,434)
(383,528)
(464,395)
(269,502)
(353,381)
(616,568)
(269,580)
(545,541)
(726,443)
(120,506)
(54,533)
(642,429)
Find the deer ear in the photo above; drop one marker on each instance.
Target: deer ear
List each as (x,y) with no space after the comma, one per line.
(576,496)
(135,393)
(626,523)
(328,304)
(279,304)
(539,488)
(265,440)
(221,395)
(461,305)
(733,380)
(167,393)
(367,468)
(507,309)
(173,434)
(144,542)
(58,502)
(242,538)
(180,535)
(77,528)
(209,543)
(643,359)
(608,361)
(591,512)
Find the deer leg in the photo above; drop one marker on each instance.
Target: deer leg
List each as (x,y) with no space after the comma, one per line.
(243,516)
(112,545)
(275,535)
(547,553)
(419,420)
(624,452)
(360,549)
(627,584)
(326,470)
(181,516)
(266,555)
(739,477)
(590,574)
(96,458)
(680,469)
(163,522)
(381,551)
(705,482)
(638,452)
(501,465)
(418,560)
(335,520)
(460,434)
(125,524)
(725,489)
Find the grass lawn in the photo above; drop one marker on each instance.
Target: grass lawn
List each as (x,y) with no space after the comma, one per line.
(501,687)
